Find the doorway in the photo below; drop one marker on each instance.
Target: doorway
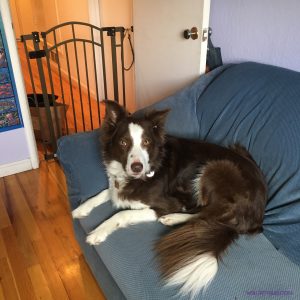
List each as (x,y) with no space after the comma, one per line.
(80,75)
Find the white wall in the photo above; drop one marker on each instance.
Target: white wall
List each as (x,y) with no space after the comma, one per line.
(40,15)
(18,148)
(265,31)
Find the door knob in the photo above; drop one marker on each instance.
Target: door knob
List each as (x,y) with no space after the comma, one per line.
(193,33)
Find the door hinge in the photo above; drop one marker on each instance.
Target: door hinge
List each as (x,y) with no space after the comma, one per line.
(204,34)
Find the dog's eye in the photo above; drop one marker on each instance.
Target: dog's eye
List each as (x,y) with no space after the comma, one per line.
(123,142)
(146,142)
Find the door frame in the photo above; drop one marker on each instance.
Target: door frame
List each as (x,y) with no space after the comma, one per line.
(95,19)
(205,24)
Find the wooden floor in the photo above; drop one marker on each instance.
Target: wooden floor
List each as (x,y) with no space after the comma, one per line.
(39,256)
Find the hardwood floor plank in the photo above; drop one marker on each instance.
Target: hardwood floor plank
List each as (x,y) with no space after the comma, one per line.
(90,284)
(58,176)
(20,207)
(1,292)
(52,276)
(4,218)
(72,278)
(3,252)
(18,265)
(39,283)
(8,289)
(49,199)
(62,261)
(24,242)
(20,212)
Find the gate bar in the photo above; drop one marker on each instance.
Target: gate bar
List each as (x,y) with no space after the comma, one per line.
(103,64)
(60,79)
(115,70)
(88,85)
(71,87)
(24,39)
(78,76)
(96,77)
(58,127)
(123,69)
(36,40)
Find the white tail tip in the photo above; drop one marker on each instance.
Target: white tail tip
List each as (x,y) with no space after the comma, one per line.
(196,275)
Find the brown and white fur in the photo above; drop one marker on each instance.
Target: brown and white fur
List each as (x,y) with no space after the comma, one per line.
(215,193)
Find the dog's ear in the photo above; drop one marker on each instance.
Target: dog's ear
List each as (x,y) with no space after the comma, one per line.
(114,112)
(158,118)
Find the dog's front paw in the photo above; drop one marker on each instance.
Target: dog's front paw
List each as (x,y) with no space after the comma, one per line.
(100,234)
(81,212)
(168,220)
(174,219)
(97,237)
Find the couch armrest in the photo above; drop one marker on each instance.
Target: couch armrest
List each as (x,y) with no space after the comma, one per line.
(80,157)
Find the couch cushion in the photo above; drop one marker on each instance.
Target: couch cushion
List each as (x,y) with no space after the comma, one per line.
(80,157)
(251,265)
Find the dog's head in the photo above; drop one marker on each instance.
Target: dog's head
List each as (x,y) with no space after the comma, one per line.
(133,145)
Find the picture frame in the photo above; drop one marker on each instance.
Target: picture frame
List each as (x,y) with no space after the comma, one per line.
(10,114)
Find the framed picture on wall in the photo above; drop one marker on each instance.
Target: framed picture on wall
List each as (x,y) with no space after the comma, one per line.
(10,115)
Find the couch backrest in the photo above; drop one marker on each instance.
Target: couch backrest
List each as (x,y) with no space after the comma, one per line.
(259,107)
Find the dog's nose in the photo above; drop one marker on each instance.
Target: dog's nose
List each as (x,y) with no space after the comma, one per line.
(137,167)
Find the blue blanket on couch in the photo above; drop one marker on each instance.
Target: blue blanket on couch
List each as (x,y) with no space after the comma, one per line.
(253,104)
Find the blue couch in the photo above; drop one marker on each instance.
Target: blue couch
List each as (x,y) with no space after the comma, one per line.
(253,104)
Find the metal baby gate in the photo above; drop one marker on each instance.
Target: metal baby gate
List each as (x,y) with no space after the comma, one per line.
(71,68)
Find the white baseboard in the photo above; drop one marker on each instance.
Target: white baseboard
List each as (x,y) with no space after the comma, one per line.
(15,167)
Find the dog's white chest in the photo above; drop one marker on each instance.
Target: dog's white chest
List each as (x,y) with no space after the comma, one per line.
(115,187)
(117,181)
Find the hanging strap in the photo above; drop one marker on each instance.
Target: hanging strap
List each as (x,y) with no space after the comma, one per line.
(214,57)
(209,42)
(127,32)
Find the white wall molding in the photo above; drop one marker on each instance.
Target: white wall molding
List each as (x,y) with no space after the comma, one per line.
(15,167)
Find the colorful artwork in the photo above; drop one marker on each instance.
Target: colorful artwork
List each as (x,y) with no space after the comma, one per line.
(9,110)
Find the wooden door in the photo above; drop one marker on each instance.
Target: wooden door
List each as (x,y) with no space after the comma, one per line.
(164,60)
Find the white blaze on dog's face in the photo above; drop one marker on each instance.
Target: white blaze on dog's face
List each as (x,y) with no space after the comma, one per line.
(138,157)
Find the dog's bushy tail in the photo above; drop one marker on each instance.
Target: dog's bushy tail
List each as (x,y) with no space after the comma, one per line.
(189,255)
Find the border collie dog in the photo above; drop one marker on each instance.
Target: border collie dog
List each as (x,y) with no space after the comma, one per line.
(214,193)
